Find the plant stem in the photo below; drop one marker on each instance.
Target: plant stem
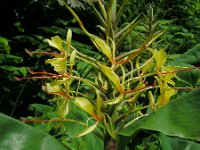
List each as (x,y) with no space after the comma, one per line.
(18,99)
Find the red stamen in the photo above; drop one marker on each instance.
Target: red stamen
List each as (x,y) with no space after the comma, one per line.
(43,77)
(46,53)
(42,72)
(54,120)
(181,70)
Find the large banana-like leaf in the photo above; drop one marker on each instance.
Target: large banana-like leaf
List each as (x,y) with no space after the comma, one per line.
(192,56)
(16,135)
(170,143)
(178,118)
(187,60)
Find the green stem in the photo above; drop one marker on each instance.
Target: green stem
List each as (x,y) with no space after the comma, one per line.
(18,99)
(128,113)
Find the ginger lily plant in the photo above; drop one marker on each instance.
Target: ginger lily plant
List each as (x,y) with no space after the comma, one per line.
(109,93)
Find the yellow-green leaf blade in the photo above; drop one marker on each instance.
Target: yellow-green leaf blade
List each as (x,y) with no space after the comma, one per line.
(88,130)
(56,42)
(84,104)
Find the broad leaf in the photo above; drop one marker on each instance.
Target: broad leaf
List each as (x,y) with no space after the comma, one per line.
(16,135)
(172,143)
(191,77)
(192,56)
(178,118)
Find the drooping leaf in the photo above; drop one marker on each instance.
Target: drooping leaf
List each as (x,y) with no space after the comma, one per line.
(178,118)
(115,100)
(88,130)
(16,135)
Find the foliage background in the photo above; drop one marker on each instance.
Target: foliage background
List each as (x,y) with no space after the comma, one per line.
(26,24)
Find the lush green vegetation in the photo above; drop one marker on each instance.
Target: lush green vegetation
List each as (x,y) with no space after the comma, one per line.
(100,74)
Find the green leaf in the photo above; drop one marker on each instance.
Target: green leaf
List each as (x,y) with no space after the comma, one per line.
(190,77)
(56,42)
(192,56)
(111,75)
(72,61)
(178,118)
(115,100)
(103,47)
(40,108)
(4,42)
(6,58)
(15,70)
(160,57)
(59,64)
(172,143)
(16,135)
(88,130)
(68,39)
(85,105)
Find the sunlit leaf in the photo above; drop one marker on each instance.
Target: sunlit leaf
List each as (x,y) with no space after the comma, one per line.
(59,64)
(99,102)
(152,101)
(165,97)
(69,38)
(160,57)
(63,107)
(115,100)
(84,104)
(111,75)
(52,88)
(148,65)
(56,42)
(72,60)
(103,47)
(88,130)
